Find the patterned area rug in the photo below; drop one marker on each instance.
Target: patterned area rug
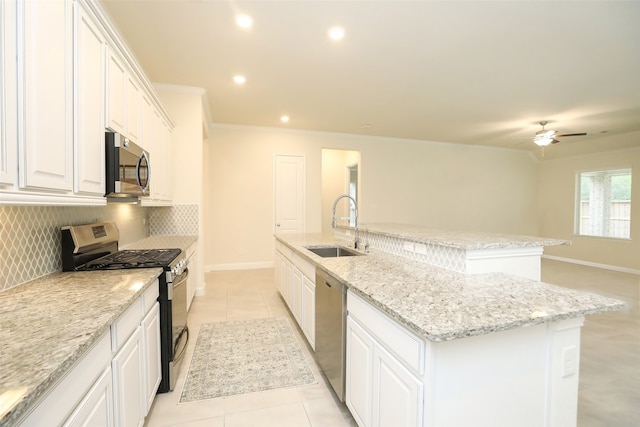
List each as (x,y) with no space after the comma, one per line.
(245,356)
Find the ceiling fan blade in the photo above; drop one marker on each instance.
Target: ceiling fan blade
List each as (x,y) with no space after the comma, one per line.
(570,134)
(555,141)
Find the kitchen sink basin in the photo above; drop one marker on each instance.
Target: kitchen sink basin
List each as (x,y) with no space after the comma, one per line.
(332,251)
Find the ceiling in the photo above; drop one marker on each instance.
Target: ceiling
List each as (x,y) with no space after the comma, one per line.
(470,72)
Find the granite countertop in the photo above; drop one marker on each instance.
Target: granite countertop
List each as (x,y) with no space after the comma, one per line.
(467,240)
(47,324)
(443,305)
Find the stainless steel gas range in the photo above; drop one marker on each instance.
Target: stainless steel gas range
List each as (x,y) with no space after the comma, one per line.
(95,247)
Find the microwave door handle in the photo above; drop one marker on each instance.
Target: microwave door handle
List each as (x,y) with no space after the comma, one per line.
(143,157)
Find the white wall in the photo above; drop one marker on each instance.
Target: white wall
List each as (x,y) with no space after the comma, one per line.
(415,182)
(557,207)
(185,106)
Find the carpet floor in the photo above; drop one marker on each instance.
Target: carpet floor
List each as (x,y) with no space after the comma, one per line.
(244,356)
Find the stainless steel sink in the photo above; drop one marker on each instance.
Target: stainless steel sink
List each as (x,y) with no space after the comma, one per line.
(332,251)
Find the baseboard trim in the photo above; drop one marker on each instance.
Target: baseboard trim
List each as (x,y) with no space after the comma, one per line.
(593,264)
(239,266)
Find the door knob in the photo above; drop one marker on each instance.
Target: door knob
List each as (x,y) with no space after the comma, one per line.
(278,225)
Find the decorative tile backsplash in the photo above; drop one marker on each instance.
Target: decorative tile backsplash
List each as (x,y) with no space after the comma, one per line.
(440,256)
(174,220)
(30,235)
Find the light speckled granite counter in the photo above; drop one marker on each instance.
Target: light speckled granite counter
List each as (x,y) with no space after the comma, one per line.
(47,324)
(442,305)
(466,240)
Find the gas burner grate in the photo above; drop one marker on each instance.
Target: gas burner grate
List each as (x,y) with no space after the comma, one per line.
(144,258)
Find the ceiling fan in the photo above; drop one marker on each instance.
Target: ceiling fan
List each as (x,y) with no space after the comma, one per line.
(545,137)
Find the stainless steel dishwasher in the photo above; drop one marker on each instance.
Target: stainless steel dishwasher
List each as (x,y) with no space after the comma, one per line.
(331,306)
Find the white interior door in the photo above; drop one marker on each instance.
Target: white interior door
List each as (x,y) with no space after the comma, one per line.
(289,176)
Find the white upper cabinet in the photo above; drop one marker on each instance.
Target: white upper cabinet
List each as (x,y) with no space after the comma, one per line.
(8,85)
(45,113)
(124,109)
(156,138)
(116,92)
(89,104)
(134,108)
(65,77)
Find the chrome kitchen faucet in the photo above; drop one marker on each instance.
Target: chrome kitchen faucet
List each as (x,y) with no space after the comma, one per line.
(334,220)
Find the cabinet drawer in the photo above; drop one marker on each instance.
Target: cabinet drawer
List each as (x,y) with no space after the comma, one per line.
(126,324)
(402,343)
(307,268)
(285,250)
(150,297)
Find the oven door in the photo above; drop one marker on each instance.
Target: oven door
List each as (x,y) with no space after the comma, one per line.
(180,330)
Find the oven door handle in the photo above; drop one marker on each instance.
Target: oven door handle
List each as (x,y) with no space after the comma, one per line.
(177,281)
(178,356)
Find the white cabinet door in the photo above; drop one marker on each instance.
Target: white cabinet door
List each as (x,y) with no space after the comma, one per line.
(151,354)
(8,94)
(287,280)
(296,294)
(96,409)
(309,310)
(45,101)
(116,92)
(89,159)
(134,108)
(147,139)
(397,394)
(128,381)
(166,169)
(359,373)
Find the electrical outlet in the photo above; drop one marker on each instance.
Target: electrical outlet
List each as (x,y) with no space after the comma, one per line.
(569,361)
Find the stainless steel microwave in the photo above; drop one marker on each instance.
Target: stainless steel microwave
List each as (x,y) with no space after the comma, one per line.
(128,167)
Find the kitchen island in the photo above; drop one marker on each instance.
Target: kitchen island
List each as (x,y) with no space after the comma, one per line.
(435,347)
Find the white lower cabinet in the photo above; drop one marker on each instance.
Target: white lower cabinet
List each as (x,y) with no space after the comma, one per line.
(359,368)
(309,309)
(96,409)
(397,397)
(128,371)
(295,280)
(296,294)
(151,353)
(115,382)
(73,390)
(381,390)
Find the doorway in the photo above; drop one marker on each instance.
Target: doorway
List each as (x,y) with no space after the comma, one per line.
(341,174)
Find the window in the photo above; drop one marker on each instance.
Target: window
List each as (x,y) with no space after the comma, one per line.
(604,203)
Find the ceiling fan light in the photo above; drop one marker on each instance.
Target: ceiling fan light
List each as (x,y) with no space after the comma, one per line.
(543,140)
(545,133)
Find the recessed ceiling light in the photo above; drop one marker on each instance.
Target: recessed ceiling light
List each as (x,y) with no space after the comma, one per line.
(336,33)
(239,79)
(284,119)
(244,21)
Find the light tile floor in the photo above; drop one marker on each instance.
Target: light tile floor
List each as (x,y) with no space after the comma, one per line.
(242,295)
(609,371)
